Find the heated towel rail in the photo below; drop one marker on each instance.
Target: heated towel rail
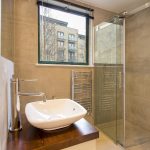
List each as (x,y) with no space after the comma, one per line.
(82,89)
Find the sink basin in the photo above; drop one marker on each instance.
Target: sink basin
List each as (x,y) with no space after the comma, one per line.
(54,114)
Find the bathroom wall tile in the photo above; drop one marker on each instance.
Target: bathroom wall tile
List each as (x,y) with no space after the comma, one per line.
(26,11)
(137,68)
(147,85)
(135,82)
(137,40)
(49,80)
(137,98)
(7,32)
(26,43)
(137,110)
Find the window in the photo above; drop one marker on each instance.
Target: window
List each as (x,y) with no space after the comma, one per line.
(60,44)
(72,57)
(60,55)
(71,45)
(59,35)
(71,37)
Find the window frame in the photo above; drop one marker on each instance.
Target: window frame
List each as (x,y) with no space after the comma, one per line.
(60,34)
(52,6)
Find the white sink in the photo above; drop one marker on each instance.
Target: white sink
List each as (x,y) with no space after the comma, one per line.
(54,114)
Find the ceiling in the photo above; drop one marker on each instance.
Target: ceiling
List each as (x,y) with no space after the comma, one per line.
(116,6)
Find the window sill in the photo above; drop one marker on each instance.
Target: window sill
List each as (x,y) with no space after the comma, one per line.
(59,65)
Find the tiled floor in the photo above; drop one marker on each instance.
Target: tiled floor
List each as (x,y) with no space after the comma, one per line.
(145,146)
(110,129)
(104,143)
(136,135)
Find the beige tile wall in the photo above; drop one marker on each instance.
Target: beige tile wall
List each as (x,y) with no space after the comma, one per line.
(138,68)
(54,81)
(7,32)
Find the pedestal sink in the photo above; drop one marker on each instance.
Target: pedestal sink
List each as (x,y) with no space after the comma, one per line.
(54,114)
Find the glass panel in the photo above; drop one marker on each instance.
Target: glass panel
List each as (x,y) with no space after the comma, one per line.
(120,78)
(62,37)
(109,114)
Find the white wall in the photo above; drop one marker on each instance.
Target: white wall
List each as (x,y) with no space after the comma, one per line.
(6,72)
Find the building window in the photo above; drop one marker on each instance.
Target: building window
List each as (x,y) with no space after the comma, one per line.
(71,37)
(55,25)
(60,34)
(60,55)
(60,44)
(71,45)
(72,57)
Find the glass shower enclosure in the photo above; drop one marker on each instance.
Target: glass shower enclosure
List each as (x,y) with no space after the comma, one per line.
(109,79)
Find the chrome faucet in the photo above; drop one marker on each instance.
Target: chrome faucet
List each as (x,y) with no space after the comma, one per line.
(15,117)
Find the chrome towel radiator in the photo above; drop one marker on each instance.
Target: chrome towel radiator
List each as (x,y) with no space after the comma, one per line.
(82,89)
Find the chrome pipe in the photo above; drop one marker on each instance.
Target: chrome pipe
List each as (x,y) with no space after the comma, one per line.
(15,118)
(15,123)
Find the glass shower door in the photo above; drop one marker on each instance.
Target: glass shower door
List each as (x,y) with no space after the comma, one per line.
(109,79)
